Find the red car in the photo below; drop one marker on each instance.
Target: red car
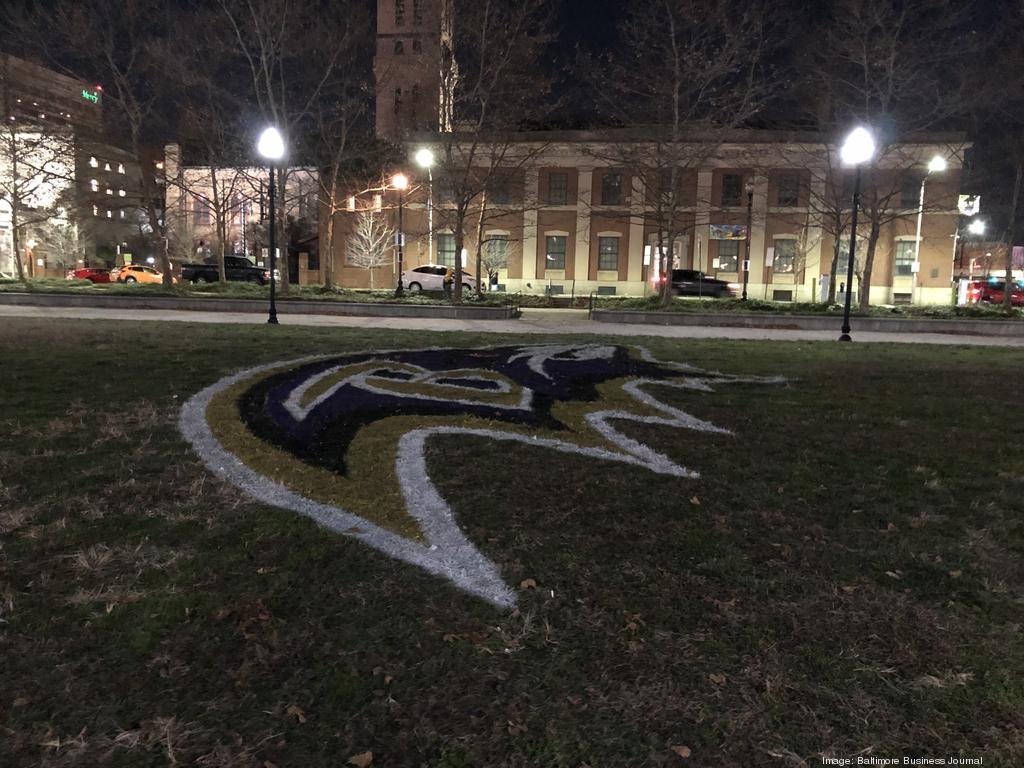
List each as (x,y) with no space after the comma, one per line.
(92,274)
(991,291)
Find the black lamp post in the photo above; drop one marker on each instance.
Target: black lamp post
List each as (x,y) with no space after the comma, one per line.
(400,182)
(858,148)
(750,220)
(271,147)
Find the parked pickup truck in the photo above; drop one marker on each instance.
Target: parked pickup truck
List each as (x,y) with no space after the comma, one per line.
(237,268)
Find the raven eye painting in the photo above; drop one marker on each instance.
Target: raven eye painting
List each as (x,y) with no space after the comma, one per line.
(308,435)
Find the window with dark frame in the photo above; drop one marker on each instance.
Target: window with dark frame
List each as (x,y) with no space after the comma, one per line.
(785,256)
(499,192)
(555,251)
(417,46)
(417,13)
(201,213)
(497,249)
(910,192)
(558,188)
(446,249)
(399,13)
(732,189)
(398,100)
(903,258)
(728,255)
(608,254)
(399,47)
(788,190)
(313,261)
(611,189)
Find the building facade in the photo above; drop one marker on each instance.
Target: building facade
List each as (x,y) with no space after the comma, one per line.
(206,204)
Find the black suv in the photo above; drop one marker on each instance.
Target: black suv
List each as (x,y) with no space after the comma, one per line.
(690,282)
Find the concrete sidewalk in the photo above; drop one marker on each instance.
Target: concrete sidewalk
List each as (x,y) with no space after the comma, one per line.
(533,321)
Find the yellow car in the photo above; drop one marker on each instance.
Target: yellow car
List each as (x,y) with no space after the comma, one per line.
(137,273)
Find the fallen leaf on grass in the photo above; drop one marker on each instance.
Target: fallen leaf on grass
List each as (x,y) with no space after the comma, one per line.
(528,584)
(893,574)
(716,678)
(695,500)
(848,588)
(268,764)
(294,710)
(515,728)
(362,760)
(682,750)
(956,574)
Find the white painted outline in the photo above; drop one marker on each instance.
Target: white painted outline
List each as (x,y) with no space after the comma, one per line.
(447,552)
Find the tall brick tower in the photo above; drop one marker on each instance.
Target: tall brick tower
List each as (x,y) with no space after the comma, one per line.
(413,46)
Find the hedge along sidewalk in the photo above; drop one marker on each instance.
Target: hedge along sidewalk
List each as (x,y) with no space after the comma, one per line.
(813,322)
(284,307)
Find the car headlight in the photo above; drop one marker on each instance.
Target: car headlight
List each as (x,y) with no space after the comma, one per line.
(735,286)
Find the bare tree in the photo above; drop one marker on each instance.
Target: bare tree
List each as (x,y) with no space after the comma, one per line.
(496,45)
(36,169)
(897,67)
(371,241)
(693,69)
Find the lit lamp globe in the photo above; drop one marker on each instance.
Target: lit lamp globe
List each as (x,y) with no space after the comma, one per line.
(400,181)
(937,164)
(858,148)
(976,228)
(424,158)
(271,145)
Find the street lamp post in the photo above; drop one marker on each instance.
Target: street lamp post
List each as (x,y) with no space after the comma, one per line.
(936,165)
(750,220)
(858,149)
(425,159)
(271,147)
(401,183)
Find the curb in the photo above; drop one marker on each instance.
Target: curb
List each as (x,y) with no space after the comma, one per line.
(814,323)
(284,307)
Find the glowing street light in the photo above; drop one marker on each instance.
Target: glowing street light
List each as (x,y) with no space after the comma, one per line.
(425,159)
(858,149)
(271,147)
(936,165)
(976,227)
(400,182)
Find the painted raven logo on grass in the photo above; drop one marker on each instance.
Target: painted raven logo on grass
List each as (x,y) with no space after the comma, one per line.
(342,439)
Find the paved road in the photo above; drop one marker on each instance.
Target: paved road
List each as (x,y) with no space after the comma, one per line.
(548,321)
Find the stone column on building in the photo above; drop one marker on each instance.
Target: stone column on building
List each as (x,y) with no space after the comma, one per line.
(702,222)
(584,196)
(635,265)
(757,286)
(813,256)
(530,234)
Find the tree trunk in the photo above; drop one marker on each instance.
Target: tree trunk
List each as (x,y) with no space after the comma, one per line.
(666,285)
(282,231)
(1011,227)
(864,300)
(219,213)
(460,243)
(327,247)
(370,270)
(479,243)
(836,248)
(19,268)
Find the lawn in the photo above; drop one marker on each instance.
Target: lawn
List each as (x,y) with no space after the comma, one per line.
(845,577)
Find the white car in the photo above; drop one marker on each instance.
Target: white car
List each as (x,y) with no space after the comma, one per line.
(430,277)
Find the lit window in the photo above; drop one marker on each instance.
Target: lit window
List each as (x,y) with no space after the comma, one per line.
(120,167)
(446,249)
(120,193)
(785,256)
(122,214)
(110,214)
(106,167)
(94,185)
(903,263)
(95,210)
(728,255)
(555,251)
(110,191)
(93,162)
(608,253)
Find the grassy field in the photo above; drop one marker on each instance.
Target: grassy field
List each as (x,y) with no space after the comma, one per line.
(846,578)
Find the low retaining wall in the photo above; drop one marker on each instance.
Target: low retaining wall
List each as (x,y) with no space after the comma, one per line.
(816,322)
(284,306)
